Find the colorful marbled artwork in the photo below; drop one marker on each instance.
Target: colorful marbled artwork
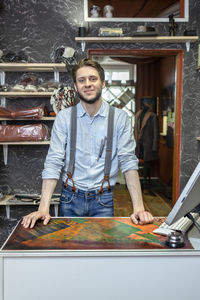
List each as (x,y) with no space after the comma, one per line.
(86,234)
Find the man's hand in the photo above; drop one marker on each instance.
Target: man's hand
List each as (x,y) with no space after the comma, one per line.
(48,186)
(30,220)
(141,217)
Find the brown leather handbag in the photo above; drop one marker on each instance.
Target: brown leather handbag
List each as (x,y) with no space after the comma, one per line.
(16,133)
(28,113)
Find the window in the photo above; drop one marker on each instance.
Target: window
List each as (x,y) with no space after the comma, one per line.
(120,88)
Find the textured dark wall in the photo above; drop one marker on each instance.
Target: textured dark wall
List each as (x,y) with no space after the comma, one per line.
(38,26)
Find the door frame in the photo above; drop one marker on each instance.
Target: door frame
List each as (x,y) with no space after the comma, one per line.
(178,53)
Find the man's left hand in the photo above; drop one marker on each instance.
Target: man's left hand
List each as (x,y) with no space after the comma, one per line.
(141,218)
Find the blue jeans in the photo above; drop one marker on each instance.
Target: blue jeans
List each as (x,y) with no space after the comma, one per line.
(86,203)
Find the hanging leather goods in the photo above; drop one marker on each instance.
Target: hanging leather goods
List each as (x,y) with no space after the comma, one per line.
(62,97)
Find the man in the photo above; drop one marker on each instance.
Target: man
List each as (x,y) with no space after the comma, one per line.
(84,192)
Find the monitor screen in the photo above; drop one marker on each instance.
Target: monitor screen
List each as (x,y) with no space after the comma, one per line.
(188,199)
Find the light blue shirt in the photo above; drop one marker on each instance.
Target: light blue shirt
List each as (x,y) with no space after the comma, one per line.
(89,160)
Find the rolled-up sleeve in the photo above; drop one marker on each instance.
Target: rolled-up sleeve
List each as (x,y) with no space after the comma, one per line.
(126,144)
(56,154)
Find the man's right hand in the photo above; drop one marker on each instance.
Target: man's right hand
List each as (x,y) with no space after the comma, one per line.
(30,220)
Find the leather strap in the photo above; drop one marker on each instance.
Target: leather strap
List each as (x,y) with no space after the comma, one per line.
(108,158)
(73,133)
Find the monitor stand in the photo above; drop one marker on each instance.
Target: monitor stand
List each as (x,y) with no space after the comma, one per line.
(190,216)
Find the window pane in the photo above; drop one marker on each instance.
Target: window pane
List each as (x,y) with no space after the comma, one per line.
(112,93)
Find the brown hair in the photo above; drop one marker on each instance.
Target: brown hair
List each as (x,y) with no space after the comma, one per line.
(86,62)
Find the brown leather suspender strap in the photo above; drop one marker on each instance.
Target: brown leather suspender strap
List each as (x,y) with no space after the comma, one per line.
(73,133)
(108,159)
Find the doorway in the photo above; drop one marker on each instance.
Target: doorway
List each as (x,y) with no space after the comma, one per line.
(143,59)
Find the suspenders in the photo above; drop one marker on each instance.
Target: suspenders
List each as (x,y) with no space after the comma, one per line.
(108,157)
(73,131)
(73,134)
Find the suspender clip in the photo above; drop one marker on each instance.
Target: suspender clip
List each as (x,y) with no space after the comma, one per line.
(106,178)
(69,176)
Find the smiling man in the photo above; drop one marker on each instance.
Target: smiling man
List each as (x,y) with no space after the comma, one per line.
(88,143)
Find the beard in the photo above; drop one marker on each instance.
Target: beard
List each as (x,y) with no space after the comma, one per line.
(91,101)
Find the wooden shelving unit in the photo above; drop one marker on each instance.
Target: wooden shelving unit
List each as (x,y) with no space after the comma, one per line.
(55,68)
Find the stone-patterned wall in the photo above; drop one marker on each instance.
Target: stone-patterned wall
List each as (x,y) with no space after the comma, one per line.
(38,27)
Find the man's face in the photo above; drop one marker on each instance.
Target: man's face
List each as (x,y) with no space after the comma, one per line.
(88,85)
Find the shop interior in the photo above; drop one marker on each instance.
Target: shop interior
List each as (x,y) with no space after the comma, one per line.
(164,74)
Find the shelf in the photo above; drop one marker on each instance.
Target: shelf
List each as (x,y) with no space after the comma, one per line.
(9,200)
(26,94)
(32,67)
(141,39)
(54,68)
(25,119)
(26,143)
(12,200)
(155,39)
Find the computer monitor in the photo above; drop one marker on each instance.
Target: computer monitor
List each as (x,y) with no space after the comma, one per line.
(188,199)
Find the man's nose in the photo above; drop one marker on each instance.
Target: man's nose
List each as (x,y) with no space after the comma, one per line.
(87,82)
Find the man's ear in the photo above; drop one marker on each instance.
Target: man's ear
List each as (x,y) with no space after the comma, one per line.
(103,84)
(75,87)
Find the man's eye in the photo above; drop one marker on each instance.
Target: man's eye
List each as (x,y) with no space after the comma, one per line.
(93,78)
(81,80)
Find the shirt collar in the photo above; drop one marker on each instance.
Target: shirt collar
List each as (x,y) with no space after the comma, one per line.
(101,112)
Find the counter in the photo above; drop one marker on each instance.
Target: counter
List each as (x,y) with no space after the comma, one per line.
(97,258)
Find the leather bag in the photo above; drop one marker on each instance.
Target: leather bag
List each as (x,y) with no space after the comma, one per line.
(29,113)
(17,133)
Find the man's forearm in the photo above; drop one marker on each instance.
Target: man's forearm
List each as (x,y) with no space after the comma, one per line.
(133,184)
(48,187)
